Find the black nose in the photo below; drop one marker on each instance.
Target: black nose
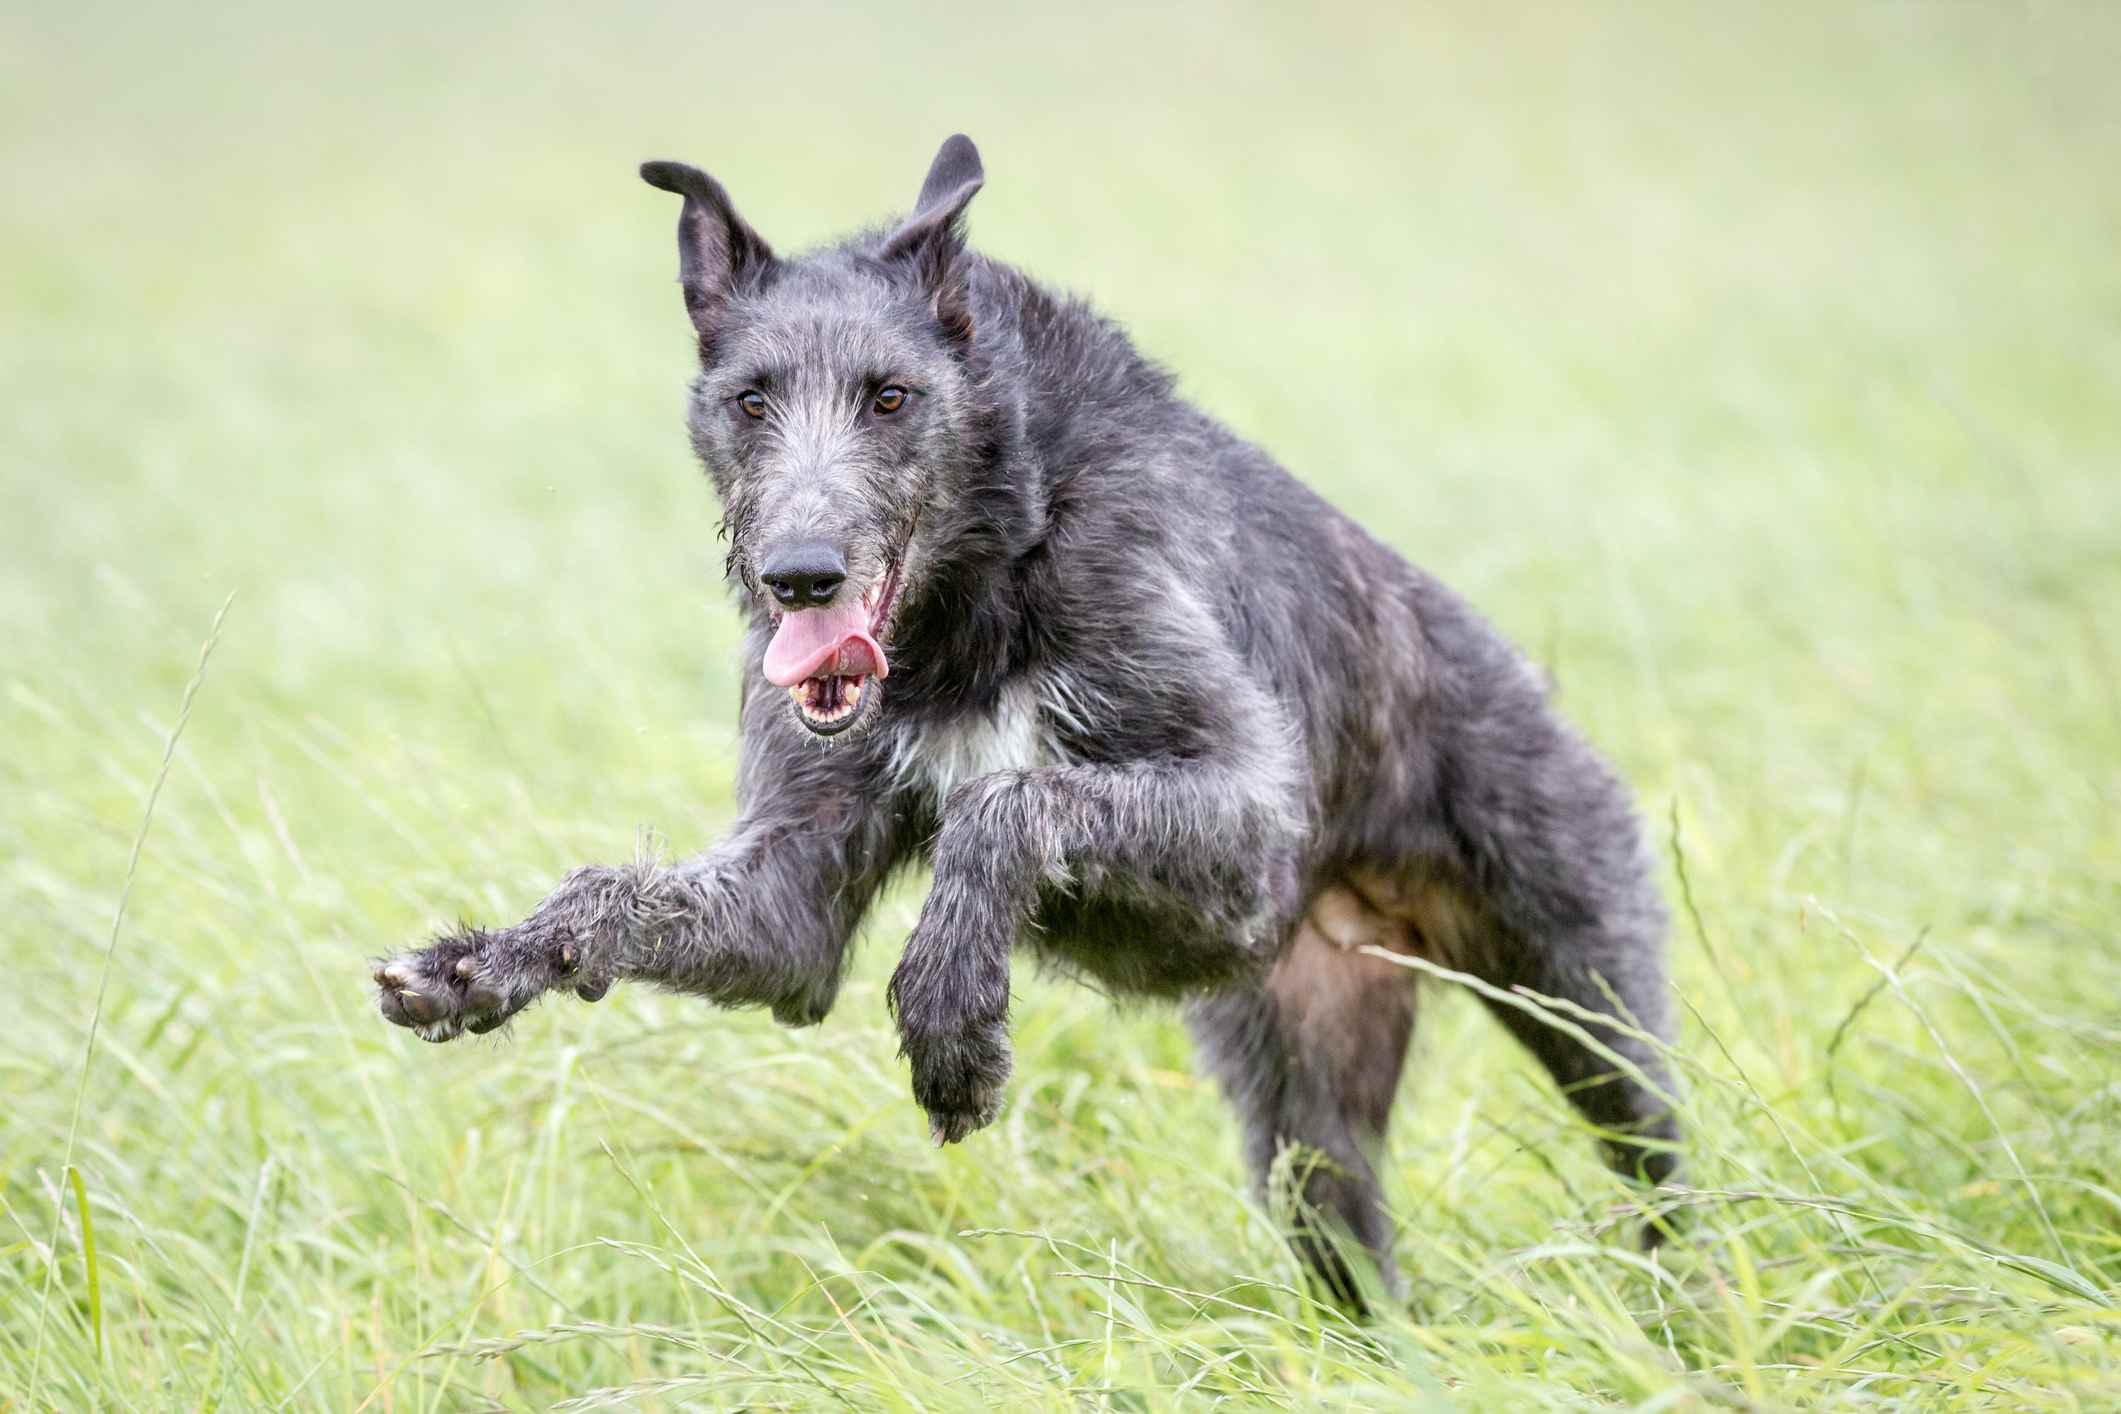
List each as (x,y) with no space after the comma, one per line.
(804,576)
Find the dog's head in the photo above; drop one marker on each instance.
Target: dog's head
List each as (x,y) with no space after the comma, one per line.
(835,400)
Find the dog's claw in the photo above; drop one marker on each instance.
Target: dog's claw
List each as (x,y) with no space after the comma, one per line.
(392,976)
(567,956)
(957,1126)
(466,967)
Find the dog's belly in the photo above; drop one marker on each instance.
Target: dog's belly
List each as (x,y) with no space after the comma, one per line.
(1140,946)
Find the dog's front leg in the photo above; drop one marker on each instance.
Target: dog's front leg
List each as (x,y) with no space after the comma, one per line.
(762,919)
(1216,836)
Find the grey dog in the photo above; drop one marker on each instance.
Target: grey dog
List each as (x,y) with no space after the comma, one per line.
(1143,703)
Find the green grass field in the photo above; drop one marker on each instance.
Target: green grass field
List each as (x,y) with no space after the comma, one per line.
(1761,373)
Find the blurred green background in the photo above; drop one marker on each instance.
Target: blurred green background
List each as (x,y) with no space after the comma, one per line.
(1758,369)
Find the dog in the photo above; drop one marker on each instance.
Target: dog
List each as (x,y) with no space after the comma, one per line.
(1144,704)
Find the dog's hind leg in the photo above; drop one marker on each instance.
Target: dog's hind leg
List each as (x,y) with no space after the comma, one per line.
(1554,896)
(1311,1059)
(1605,974)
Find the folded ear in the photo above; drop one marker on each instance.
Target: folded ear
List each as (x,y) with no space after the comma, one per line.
(717,251)
(933,237)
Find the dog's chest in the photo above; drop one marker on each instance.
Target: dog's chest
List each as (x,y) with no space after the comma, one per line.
(938,757)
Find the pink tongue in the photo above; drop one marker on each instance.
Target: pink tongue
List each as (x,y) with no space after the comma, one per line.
(829,642)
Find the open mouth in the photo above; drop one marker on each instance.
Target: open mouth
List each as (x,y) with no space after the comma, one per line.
(828,705)
(829,660)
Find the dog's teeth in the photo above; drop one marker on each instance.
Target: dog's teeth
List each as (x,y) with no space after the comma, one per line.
(796,693)
(854,692)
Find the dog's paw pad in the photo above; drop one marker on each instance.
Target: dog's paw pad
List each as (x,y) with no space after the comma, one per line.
(441,992)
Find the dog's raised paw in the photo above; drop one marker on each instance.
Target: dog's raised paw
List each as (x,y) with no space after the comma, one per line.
(443,991)
(958,1078)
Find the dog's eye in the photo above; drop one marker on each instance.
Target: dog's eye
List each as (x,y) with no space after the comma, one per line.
(752,401)
(888,401)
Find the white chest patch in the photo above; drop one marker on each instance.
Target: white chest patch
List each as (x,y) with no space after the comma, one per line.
(939,759)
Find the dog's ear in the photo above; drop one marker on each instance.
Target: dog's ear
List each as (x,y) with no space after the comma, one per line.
(933,237)
(717,251)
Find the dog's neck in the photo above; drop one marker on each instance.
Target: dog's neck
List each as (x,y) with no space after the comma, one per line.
(966,634)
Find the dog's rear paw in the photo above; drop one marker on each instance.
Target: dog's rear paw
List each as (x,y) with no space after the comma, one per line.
(455,985)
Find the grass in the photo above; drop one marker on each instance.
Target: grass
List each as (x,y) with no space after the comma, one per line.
(1760,372)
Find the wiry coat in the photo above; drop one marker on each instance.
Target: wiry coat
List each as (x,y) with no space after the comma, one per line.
(1153,709)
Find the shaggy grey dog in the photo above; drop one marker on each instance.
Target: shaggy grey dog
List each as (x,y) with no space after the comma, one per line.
(1144,704)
